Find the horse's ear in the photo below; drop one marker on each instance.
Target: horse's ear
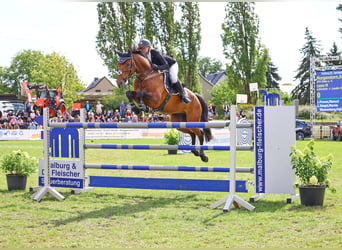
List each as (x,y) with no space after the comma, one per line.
(123,54)
(119,53)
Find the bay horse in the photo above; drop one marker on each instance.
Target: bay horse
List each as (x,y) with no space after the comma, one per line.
(150,90)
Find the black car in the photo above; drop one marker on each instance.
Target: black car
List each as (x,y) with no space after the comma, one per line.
(302,130)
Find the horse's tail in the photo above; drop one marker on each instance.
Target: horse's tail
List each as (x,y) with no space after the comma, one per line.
(204,118)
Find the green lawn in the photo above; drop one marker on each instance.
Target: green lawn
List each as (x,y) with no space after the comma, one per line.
(129,218)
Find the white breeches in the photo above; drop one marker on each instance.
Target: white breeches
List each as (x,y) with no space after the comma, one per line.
(173,70)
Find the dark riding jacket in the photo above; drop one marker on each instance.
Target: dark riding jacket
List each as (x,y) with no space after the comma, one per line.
(162,62)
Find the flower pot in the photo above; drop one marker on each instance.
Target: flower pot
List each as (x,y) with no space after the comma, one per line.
(172,152)
(16,182)
(312,195)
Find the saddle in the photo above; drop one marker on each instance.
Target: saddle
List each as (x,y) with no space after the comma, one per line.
(168,86)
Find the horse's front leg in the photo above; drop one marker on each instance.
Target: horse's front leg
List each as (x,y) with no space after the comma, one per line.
(132,96)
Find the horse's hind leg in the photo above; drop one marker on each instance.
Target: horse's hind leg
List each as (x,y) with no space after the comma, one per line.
(201,152)
(193,142)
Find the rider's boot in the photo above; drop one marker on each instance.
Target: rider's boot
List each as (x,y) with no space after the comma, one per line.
(185,98)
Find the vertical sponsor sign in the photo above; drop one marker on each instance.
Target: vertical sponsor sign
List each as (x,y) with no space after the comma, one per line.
(259,132)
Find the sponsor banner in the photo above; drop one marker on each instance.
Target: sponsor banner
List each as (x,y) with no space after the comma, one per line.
(63,173)
(259,133)
(20,134)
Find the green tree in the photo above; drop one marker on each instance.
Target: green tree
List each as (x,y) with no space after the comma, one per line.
(55,70)
(4,88)
(247,58)
(209,66)
(113,101)
(272,76)
(21,68)
(310,49)
(163,26)
(221,93)
(188,44)
(339,7)
(119,25)
(334,51)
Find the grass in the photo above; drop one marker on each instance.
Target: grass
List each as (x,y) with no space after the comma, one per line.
(127,218)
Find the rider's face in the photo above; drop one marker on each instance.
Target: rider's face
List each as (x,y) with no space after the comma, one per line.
(144,49)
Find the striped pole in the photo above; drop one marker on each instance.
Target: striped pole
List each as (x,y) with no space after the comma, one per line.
(183,125)
(167,168)
(164,147)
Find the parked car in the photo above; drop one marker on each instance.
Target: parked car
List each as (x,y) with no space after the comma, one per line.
(17,107)
(336,132)
(6,106)
(303,130)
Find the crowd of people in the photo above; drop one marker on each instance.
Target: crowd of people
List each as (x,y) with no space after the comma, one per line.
(26,119)
(22,119)
(123,114)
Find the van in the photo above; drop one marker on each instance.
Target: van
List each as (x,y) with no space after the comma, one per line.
(6,106)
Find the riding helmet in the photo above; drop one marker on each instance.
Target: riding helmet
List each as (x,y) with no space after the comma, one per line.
(145,43)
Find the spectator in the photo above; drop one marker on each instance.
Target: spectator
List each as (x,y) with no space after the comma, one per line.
(98,110)
(13,123)
(87,106)
(242,113)
(226,114)
(32,125)
(122,109)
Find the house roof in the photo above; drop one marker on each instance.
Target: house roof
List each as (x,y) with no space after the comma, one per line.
(94,83)
(214,78)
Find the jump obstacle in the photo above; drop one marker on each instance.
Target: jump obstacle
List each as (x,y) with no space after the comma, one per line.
(67,141)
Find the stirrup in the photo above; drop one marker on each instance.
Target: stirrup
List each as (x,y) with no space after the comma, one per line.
(186,99)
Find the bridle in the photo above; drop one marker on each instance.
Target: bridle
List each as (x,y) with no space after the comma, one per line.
(131,72)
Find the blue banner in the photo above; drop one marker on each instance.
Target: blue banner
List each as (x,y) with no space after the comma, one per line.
(259,132)
(329,91)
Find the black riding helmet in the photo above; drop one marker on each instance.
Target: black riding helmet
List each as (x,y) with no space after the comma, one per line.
(145,43)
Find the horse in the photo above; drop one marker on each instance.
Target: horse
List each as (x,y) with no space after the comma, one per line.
(150,90)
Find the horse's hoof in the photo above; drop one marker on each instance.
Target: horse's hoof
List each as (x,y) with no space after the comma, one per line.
(204,158)
(196,153)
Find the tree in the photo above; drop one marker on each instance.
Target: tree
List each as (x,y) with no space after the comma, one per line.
(188,44)
(272,76)
(4,88)
(209,66)
(334,51)
(55,70)
(339,7)
(247,58)
(21,69)
(310,49)
(120,24)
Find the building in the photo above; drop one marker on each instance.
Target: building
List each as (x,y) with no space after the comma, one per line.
(99,88)
(209,82)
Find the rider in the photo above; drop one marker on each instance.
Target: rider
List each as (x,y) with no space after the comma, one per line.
(163,62)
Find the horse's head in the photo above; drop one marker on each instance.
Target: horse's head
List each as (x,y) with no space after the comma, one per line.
(126,67)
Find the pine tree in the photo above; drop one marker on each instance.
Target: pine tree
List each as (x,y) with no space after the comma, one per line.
(310,49)
(272,76)
(334,51)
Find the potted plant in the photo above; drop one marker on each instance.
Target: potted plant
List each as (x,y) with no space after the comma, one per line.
(18,165)
(172,138)
(312,172)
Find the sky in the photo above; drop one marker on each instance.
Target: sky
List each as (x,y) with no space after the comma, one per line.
(70,28)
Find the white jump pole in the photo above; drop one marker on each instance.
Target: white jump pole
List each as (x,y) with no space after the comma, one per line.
(232,199)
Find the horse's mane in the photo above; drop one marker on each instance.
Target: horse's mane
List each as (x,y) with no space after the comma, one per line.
(140,53)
